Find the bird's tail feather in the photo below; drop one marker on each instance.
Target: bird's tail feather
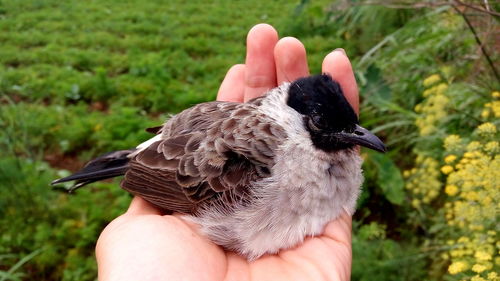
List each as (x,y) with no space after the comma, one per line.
(109,165)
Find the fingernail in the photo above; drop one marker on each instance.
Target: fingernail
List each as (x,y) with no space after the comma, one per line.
(340,50)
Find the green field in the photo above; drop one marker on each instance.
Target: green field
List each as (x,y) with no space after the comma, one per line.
(79,78)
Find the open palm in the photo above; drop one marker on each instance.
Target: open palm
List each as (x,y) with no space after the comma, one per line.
(144,244)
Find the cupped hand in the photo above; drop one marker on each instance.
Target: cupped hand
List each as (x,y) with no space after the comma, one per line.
(144,244)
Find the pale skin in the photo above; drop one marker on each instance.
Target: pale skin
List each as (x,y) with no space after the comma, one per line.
(144,244)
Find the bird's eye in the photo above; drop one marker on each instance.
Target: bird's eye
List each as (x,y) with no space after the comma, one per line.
(314,123)
(316,119)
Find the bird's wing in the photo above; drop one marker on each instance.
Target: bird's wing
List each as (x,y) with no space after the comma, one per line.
(213,149)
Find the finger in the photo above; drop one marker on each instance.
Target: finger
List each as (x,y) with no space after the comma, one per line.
(338,236)
(139,206)
(339,67)
(156,248)
(291,60)
(340,229)
(233,86)
(260,74)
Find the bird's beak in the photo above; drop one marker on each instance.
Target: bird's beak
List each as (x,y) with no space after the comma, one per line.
(363,137)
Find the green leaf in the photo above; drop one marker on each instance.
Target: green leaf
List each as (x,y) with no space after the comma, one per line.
(388,177)
(10,274)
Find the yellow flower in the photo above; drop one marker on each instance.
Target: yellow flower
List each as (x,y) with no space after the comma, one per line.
(487,129)
(430,119)
(493,276)
(478,154)
(446,169)
(451,189)
(486,201)
(477,278)
(452,142)
(468,155)
(495,106)
(473,146)
(478,268)
(475,227)
(450,159)
(431,80)
(484,114)
(495,94)
(433,194)
(471,196)
(427,130)
(441,88)
(428,92)
(457,267)
(415,203)
(492,147)
(482,256)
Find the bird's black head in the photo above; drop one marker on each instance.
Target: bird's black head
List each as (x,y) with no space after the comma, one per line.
(328,116)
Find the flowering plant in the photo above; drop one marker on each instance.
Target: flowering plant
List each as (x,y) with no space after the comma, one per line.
(461,181)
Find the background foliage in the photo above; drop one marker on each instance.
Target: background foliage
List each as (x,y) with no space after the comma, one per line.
(81,78)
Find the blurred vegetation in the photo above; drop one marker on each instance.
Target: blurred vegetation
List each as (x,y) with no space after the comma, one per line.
(81,78)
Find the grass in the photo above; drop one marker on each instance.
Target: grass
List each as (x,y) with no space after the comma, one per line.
(153,55)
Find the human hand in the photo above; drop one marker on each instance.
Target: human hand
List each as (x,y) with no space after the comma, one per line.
(143,244)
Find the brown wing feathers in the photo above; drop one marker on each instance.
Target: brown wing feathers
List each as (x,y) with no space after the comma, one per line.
(206,150)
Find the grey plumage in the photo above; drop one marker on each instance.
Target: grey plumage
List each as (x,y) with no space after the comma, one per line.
(207,149)
(251,174)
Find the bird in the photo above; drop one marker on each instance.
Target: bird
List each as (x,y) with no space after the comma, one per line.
(257,177)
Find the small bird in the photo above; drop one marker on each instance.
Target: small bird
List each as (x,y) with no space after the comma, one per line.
(258,176)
